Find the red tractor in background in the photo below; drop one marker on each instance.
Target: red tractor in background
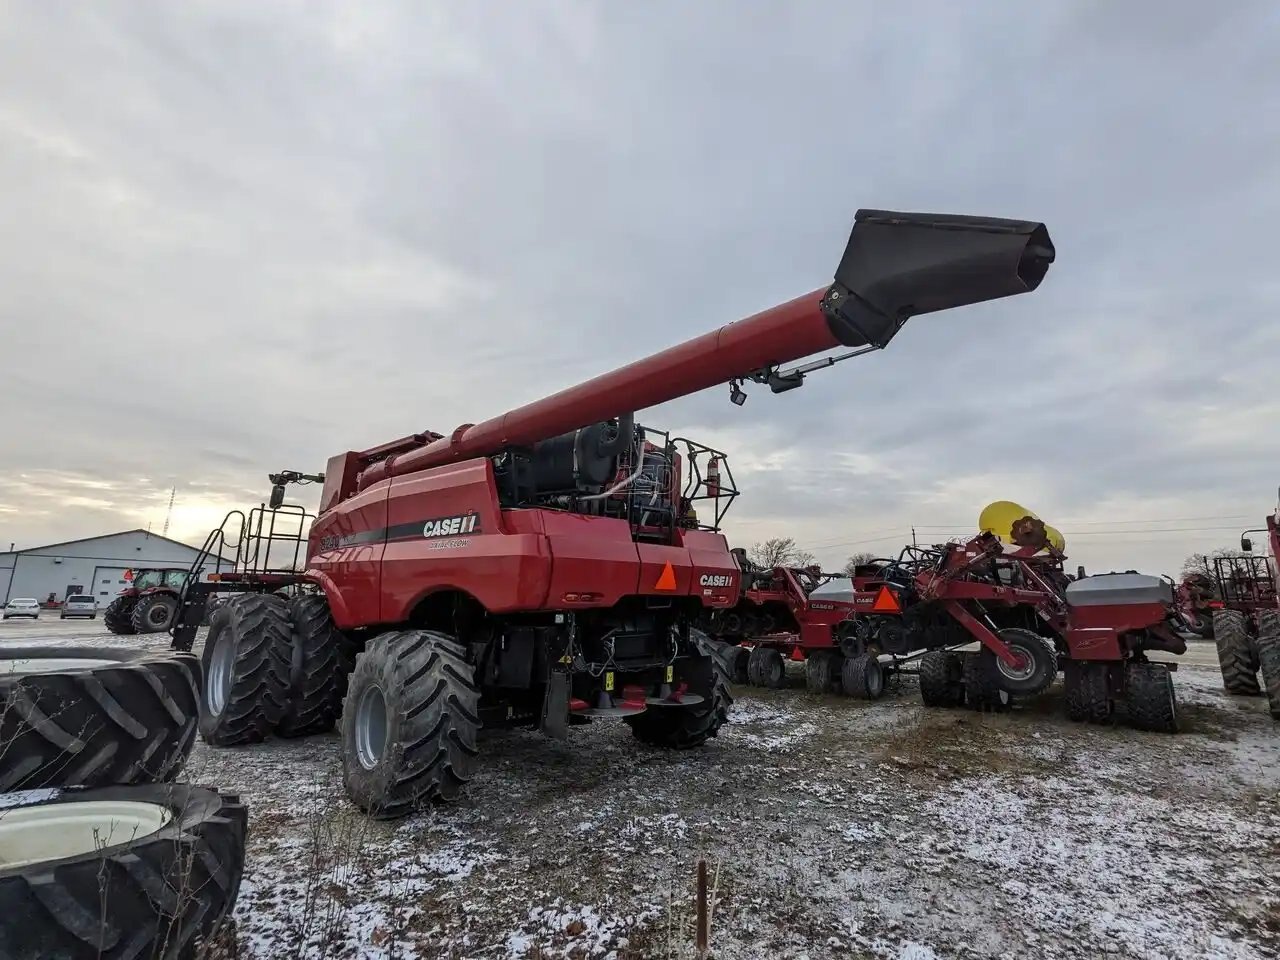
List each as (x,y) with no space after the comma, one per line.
(784,612)
(1246,622)
(549,566)
(149,603)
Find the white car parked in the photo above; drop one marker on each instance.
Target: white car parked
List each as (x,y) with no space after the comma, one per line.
(22,607)
(79,605)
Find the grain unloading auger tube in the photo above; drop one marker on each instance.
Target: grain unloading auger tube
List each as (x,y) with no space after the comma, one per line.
(895,266)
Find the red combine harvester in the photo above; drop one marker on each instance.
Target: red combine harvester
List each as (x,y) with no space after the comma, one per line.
(1246,622)
(784,612)
(550,566)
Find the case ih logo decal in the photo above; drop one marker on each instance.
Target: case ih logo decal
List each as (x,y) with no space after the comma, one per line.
(451,526)
(715,580)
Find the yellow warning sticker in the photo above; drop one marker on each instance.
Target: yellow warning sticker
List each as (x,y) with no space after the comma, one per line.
(608,682)
(671,673)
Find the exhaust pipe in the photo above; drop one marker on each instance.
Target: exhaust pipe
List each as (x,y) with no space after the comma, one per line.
(899,265)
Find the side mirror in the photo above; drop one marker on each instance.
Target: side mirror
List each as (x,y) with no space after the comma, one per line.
(1246,545)
(277,496)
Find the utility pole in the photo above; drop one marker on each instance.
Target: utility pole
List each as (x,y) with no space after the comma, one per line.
(169,513)
(913,536)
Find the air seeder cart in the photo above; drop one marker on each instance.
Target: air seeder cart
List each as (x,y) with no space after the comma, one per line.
(551,565)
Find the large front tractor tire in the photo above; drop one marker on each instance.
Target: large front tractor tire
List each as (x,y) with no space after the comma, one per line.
(154,613)
(118,617)
(680,727)
(1237,655)
(247,663)
(409,723)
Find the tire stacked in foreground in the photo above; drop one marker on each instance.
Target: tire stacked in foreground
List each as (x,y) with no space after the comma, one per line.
(101,856)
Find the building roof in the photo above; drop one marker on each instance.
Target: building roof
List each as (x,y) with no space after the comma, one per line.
(105,536)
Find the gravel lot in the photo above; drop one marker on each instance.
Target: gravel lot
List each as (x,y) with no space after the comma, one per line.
(835,828)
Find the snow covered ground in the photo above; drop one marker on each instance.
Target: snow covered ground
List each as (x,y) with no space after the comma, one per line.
(833,828)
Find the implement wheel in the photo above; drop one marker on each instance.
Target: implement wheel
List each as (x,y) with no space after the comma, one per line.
(118,617)
(1236,655)
(1150,698)
(766,668)
(246,669)
(409,723)
(863,677)
(1038,662)
(680,727)
(738,658)
(1088,691)
(941,679)
(822,672)
(982,689)
(1269,655)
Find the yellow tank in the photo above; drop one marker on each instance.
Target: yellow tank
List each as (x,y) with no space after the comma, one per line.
(1013,523)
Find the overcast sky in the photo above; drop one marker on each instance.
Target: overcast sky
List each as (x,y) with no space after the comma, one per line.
(238,237)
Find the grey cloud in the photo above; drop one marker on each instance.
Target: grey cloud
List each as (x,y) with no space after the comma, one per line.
(273,232)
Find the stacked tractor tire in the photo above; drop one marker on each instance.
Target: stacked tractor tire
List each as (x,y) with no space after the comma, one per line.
(1249,653)
(102,853)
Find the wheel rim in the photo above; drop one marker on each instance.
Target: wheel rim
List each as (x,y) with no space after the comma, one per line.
(1024,671)
(158,615)
(221,673)
(51,665)
(371,727)
(53,831)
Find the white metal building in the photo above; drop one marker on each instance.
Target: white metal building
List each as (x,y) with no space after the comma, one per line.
(95,565)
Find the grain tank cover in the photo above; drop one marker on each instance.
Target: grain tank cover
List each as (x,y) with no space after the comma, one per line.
(1110,589)
(898,265)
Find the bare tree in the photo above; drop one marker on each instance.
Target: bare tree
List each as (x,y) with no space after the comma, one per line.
(1202,563)
(779,552)
(856,560)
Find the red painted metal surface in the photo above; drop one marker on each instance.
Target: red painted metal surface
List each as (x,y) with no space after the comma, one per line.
(780,335)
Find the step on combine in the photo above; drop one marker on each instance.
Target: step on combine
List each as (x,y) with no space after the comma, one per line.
(549,566)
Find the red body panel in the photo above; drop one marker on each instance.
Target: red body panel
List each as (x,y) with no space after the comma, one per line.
(1094,632)
(376,559)
(814,620)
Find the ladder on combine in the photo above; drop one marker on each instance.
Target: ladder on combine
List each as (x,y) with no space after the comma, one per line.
(261,552)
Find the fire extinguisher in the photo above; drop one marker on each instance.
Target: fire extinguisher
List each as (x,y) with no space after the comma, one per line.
(713,477)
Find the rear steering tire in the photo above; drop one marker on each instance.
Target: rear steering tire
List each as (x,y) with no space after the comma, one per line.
(1236,655)
(409,723)
(680,728)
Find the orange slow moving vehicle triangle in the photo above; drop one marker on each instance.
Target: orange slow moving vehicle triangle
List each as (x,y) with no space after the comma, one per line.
(666,579)
(886,602)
